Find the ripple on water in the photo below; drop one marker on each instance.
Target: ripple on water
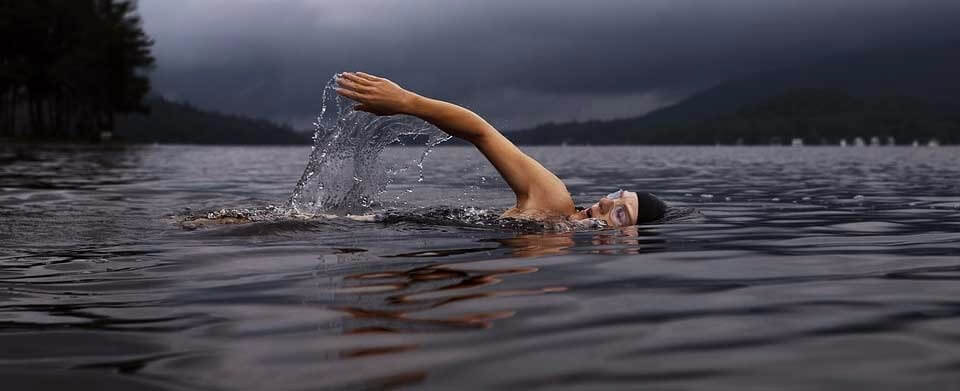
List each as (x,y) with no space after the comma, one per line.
(743,294)
(868,226)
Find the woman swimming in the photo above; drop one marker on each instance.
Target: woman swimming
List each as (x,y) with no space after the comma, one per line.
(540,194)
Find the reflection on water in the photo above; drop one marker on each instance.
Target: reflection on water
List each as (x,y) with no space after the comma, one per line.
(534,245)
(394,297)
(807,268)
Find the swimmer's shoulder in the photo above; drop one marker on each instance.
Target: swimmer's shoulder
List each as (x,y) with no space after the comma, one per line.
(541,205)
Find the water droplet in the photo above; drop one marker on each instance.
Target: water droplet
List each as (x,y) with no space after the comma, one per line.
(858,197)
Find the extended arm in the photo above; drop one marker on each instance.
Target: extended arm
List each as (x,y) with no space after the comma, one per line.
(535,186)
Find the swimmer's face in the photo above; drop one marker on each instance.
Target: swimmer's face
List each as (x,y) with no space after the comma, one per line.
(618,209)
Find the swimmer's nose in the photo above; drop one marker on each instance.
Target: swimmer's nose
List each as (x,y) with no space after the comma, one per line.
(605,205)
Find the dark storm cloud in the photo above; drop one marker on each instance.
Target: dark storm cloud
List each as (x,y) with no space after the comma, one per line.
(518,62)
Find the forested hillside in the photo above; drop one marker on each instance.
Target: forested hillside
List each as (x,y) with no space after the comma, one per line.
(903,94)
(171,122)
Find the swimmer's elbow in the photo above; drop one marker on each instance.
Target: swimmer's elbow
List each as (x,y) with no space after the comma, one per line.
(481,135)
(455,120)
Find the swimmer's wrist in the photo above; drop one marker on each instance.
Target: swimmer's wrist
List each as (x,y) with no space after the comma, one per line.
(413,104)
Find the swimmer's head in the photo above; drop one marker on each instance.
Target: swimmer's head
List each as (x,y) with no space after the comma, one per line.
(624,208)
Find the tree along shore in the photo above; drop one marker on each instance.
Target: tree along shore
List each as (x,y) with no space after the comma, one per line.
(68,67)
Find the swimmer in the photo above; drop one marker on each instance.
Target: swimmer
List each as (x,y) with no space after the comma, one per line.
(540,194)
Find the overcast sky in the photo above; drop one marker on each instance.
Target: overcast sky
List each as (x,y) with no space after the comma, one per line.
(517,62)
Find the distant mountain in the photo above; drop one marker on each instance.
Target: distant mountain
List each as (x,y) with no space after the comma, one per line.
(820,116)
(923,83)
(181,123)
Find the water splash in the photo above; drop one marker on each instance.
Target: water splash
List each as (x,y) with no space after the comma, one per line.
(345,174)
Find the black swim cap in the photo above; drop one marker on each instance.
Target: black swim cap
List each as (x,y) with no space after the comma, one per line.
(649,208)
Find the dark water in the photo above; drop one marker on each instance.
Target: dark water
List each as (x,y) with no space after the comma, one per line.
(811,269)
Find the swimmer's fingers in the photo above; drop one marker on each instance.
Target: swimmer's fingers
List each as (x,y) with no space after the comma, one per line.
(350,94)
(353,90)
(369,76)
(355,78)
(374,95)
(353,86)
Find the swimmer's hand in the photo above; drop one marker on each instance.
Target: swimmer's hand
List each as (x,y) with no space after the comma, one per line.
(375,94)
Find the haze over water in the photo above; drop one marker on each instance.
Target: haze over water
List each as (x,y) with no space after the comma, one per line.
(811,268)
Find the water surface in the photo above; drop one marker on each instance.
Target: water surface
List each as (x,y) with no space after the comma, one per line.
(811,268)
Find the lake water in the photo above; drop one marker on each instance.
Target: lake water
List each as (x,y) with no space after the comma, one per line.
(805,269)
